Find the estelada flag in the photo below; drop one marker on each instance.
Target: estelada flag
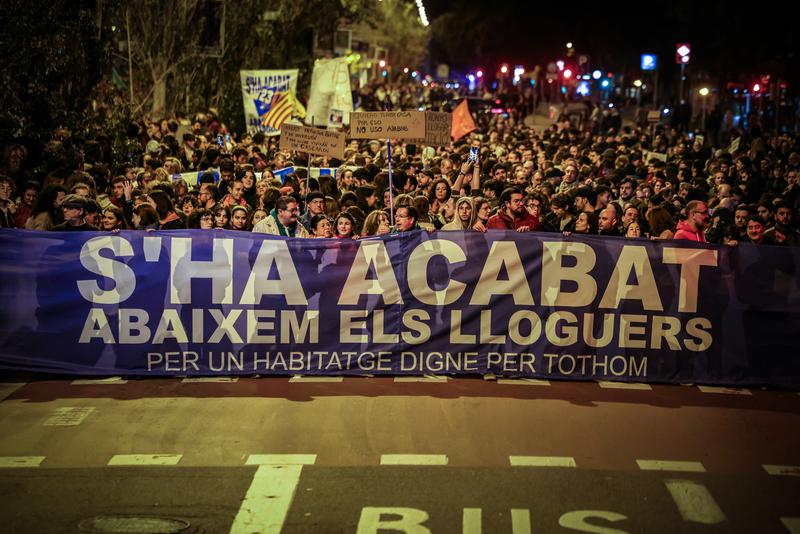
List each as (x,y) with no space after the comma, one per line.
(282,107)
(462,121)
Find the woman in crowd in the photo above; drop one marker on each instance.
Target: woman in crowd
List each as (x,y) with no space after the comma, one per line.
(440,194)
(190,204)
(113,220)
(222,217)
(481,211)
(320,226)
(256,217)
(344,226)
(249,193)
(239,218)
(586,223)
(376,223)
(145,217)
(633,230)
(661,223)
(202,219)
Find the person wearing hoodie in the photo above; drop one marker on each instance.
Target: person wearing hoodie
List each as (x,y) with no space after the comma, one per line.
(463,216)
(282,220)
(696,221)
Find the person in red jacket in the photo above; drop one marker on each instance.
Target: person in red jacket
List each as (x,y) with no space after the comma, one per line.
(513,215)
(696,221)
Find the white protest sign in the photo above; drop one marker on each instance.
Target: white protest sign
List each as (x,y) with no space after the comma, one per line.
(330,90)
(312,140)
(387,124)
(734,146)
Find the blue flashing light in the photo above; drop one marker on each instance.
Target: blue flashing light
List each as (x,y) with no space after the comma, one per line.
(385,73)
(604,84)
(471,78)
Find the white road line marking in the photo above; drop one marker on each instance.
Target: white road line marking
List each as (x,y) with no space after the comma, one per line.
(21,461)
(792,524)
(99,381)
(471,521)
(724,390)
(69,416)
(785,470)
(281,459)
(210,379)
(8,388)
(145,459)
(266,505)
(302,378)
(413,459)
(670,465)
(523,382)
(520,521)
(542,461)
(432,379)
(695,502)
(609,384)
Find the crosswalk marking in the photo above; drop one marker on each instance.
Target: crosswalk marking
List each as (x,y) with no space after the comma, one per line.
(413,459)
(695,502)
(21,461)
(724,390)
(301,378)
(210,379)
(542,461)
(111,380)
(433,379)
(69,416)
(523,382)
(281,459)
(670,465)
(609,384)
(266,504)
(144,459)
(784,470)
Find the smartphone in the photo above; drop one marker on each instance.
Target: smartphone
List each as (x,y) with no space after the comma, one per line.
(228,138)
(220,141)
(691,136)
(473,154)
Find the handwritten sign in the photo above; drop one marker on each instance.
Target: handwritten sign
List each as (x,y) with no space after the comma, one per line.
(387,124)
(438,126)
(312,140)
(653,116)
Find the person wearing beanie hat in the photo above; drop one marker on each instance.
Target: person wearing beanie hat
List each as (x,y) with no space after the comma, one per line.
(74,207)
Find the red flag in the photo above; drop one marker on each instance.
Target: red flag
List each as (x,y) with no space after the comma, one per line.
(462,121)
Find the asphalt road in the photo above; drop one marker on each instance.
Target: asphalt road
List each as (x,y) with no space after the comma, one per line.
(368,455)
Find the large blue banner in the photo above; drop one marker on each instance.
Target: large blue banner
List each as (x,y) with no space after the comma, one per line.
(534,305)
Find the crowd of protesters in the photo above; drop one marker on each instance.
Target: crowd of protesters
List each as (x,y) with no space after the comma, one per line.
(570,178)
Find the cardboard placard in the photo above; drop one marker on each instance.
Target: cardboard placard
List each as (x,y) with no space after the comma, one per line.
(312,140)
(387,124)
(653,116)
(438,127)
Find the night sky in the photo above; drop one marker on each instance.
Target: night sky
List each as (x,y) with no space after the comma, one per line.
(727,41)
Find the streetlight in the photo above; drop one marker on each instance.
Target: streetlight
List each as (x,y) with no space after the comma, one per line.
(504,69)
(637,83)
(704,92)
(569,45)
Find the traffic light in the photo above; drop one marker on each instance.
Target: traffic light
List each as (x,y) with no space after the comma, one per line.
(683,52)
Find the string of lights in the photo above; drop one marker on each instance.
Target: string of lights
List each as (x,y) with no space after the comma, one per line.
(423,17)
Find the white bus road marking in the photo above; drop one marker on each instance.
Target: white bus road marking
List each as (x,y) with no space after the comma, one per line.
(783,470)
(302,378)
(792,524)
(724,390)
(610,384)
(428,379)
(523,382)
(210,380)
(69,416)
(670,465)
(144,459)
(281,459)
(21,461)
(111,380)
(695,502)
(542,461)
(413,459)
(266,505)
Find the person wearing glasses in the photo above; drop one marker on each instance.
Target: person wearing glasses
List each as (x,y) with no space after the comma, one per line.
(696,221)
(282,220)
